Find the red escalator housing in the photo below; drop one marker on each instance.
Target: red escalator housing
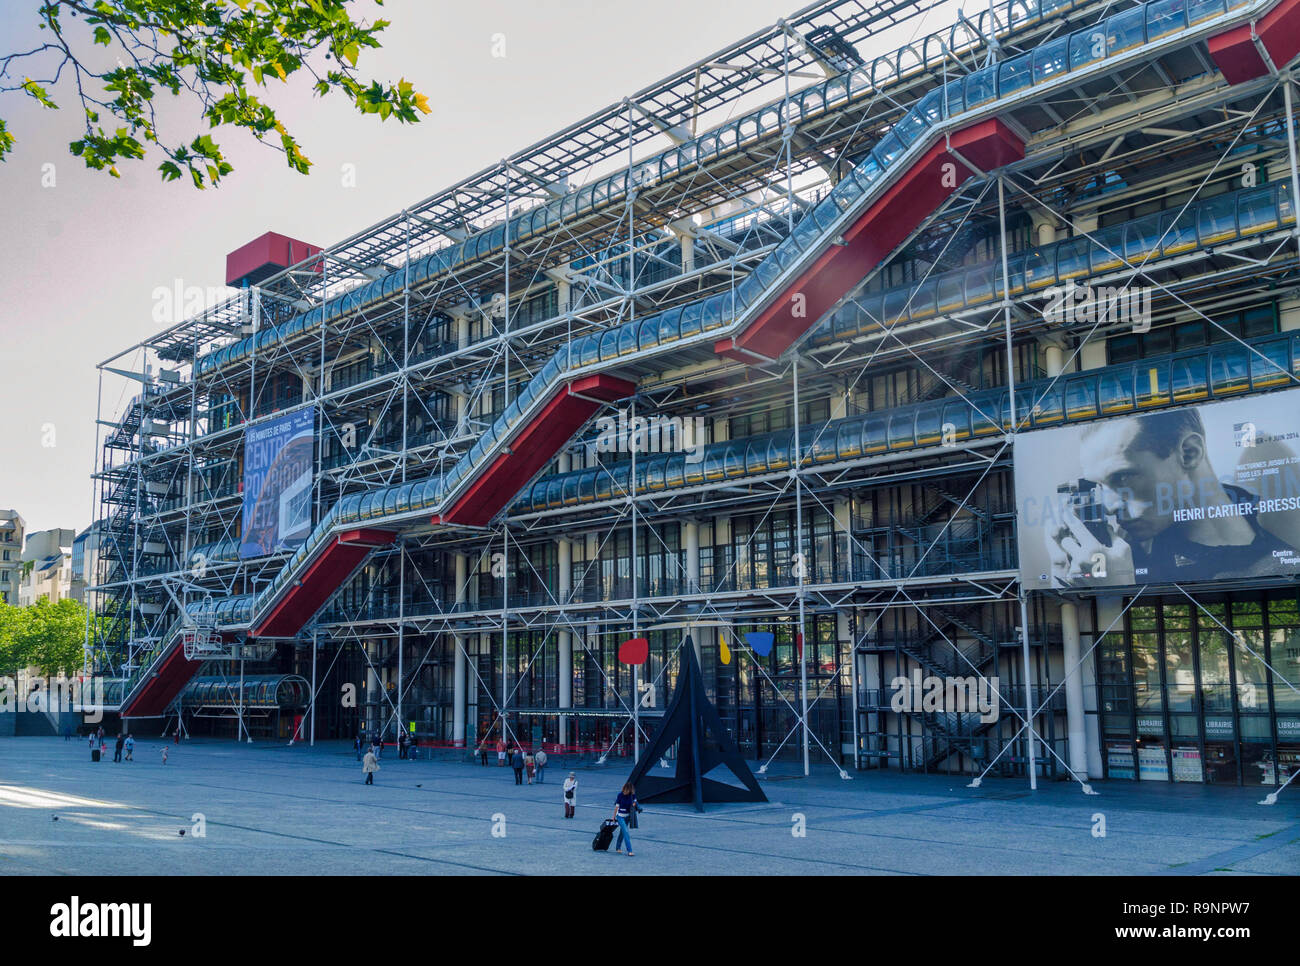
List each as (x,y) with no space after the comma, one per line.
(1234,51)
(868,241)
(544,436)
(324,575)
(161,689)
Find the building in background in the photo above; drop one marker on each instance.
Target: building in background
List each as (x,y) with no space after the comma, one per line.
(85,558)
(12,530)
(47,566)
(869,267)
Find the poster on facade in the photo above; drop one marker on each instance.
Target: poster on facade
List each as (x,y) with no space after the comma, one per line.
(1197,493)
(277,484)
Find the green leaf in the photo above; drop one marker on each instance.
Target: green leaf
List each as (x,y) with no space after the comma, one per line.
(213,48)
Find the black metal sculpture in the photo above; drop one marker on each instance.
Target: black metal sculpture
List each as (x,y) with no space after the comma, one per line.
(702,744)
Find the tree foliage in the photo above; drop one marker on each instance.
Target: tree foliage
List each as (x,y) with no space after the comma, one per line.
(222,53)
(46,636)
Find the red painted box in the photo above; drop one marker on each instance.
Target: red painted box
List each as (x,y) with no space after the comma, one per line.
(264,256)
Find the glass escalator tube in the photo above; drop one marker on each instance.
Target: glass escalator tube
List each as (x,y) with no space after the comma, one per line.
(902,430)
(848,439)
(929,424)
(1271,367)
(875,434)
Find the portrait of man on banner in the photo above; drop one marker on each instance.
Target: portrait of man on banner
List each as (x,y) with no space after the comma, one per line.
(1200,493)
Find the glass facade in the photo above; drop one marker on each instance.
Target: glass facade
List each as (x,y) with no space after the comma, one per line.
(1186,693)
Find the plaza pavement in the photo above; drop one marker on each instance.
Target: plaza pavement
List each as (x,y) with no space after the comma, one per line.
(270,809)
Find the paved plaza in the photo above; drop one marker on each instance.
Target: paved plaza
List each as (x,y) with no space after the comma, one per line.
(274,810)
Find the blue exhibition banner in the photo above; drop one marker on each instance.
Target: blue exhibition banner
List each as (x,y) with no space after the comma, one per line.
(277,484)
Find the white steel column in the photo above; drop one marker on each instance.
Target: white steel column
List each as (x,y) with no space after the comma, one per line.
(636,604)
(315,646)
(1291,149)
(800,564)
(401,631)
(485,647)
(461,669)
(1030,765)
(1075,722)
(691,547)
(459,678)
(591,568)
(564,553)
(1053,359)
(685,232)
(843,512)
(243,728)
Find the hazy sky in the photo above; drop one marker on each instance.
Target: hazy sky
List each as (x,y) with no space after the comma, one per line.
(80,261)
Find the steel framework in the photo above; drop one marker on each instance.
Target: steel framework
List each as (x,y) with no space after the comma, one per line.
(865,546)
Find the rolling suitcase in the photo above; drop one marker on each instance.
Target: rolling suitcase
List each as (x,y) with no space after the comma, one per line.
(605,836)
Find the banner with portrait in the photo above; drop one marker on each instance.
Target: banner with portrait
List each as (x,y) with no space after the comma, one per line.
(1195,493)
(277,484)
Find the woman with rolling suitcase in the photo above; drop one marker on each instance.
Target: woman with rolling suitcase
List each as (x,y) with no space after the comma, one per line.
(624,805)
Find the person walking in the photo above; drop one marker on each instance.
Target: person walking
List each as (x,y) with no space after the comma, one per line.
(164,754)
(369,767)
(129,745)
(530,766)
(357,746)
(501,754)
(94,748)
(624,805)
(517,763)
(540,761)
(570,794)
(482,754)
(117,746)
